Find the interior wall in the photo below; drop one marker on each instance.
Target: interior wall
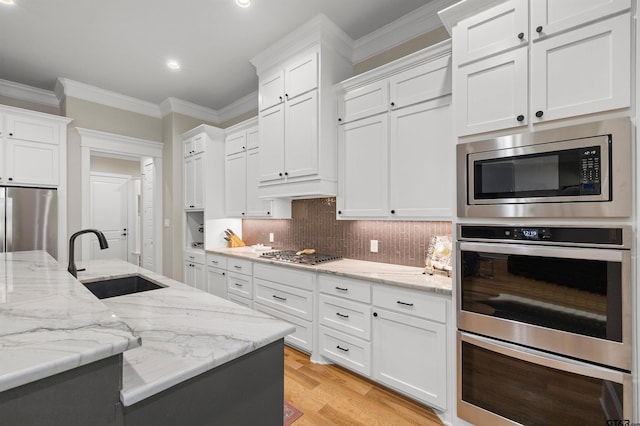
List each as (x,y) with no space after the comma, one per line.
(33,106)
(90,115)
(173,126)
(239,119)
(115,165)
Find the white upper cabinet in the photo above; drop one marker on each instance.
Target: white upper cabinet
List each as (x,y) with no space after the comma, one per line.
(297,119)
(394,161)
(31,148)
(194,145)
(522,63)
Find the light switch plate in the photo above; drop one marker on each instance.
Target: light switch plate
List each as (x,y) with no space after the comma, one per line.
(270,237)
(374,246)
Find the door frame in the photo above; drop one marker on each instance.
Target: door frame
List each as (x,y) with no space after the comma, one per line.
(94,142)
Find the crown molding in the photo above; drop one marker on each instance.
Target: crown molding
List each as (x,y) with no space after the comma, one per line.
(119,143)
(314,32)
(66,87)
(178,106)
(408,27)
(28,93)
(453,14)
(239,107)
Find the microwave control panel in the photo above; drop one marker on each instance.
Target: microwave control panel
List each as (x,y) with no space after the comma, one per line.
(590,170)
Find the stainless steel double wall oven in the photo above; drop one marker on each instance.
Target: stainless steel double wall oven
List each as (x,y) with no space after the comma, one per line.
(544,304)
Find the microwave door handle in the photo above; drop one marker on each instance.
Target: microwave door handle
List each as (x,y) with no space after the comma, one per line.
(545,359)
(546,251)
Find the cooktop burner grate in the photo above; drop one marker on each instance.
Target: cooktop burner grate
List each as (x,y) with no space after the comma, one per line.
(306,259)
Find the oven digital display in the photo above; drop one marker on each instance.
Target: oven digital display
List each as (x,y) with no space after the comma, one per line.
(530,234)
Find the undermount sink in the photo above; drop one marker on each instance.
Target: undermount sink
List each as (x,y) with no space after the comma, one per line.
(120,286)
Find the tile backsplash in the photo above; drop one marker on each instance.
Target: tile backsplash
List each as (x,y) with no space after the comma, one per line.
(314,225)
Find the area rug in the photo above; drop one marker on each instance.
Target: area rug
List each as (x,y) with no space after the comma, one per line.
(291,414)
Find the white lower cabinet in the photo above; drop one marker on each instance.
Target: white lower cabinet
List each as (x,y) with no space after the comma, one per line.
(288,294)
(217,281)
(346,350)
(194,275)
(410,343)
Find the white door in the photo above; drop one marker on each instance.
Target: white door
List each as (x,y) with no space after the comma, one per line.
(109,214)
(148,246)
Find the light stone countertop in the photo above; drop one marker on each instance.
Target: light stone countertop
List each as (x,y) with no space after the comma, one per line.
(385,273)
(184,331)
(50,323)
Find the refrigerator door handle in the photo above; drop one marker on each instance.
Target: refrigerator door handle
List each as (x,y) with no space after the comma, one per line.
(8,224)
(2,220)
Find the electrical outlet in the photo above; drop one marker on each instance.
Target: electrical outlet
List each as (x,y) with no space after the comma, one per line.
(270,237)
(374,246)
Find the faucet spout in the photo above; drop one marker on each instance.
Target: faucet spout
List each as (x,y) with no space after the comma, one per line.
(102,240)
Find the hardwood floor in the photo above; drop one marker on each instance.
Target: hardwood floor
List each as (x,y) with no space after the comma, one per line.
(330,395)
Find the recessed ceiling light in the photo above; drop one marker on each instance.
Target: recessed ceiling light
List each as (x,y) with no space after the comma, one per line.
(243,3)
(173,65)
(7,2)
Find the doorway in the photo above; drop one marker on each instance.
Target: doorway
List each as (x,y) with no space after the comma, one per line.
(148,155)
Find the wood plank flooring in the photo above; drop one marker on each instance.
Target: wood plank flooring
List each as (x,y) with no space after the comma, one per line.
(330,395)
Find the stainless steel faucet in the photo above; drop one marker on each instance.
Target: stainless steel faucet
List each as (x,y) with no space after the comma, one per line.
(101,240)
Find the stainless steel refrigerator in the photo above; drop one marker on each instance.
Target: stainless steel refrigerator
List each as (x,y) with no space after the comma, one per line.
(28,219)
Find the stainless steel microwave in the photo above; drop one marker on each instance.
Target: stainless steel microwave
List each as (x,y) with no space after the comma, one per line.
(576,171)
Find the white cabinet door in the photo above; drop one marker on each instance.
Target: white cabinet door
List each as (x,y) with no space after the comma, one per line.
(189,274)
(256,207)
(253,138)
(271,90)
(421,139)
(199,276)
(364,102)
(409,354)
(31,163)
(422,83)
(495,30)
(301,137)
(583,71)
(217,282)
(551,17)
(31,129)
(236,185)
(492,94)
(301,76)
(194,182)
(363,159)
(272,144)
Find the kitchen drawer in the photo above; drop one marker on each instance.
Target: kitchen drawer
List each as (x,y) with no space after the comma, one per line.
(240,284)
(413,302)
(359,291)
(284,298)
(194,256)
(346,350)
(216,261)
(239,266)
(248,303)
(302,338)
(285,275)
(344,315)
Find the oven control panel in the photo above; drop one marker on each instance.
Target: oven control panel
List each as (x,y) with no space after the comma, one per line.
(530,234)
(593,236)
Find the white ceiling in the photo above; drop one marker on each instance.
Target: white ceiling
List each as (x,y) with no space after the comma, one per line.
(122,45)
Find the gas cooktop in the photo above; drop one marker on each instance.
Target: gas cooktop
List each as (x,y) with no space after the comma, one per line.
(290,256)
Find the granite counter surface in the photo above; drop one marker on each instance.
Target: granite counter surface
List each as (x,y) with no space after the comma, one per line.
(184,331)
(385,273)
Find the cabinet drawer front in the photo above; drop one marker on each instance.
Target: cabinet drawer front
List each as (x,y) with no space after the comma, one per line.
(195,257)
(239,266)
(240,300)
(492,31)
(584,71)
(285,299)
(346,288)
(235,143)
(349,317)
(364,101)
(284,275)
(216,261)
(424,82)
(413,302)
(346,350)
(32,130)
(239,284)
(302,338)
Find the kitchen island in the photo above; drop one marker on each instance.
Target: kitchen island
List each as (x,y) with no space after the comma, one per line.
(179,355)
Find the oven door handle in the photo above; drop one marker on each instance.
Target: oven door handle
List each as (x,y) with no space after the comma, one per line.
(545,359)
(609,255)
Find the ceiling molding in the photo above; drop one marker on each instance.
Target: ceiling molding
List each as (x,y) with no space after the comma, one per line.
(408,27)
(27,93)
(66,87)
(119,144)
(239,107)
(175,105)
